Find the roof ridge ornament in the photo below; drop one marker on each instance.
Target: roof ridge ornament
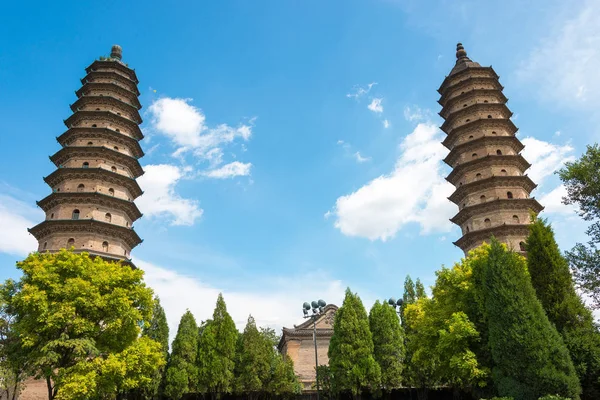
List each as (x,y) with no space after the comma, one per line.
(116,52)
(461,53)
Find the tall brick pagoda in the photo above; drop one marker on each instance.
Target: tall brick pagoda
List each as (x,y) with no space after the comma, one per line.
(488,171)
(91,206)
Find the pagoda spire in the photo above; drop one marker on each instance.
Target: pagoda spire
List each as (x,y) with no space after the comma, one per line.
(91,207)
(492,190)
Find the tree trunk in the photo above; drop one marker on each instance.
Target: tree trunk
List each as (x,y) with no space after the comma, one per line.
(50,388)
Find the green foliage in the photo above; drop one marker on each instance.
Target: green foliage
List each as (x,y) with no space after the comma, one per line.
(13,358)
(351,360)
(443,340)
(554,288)
(75,314)
(216,352)
(554,397)
(530,358)
(388,344)
(283,381)
(182,372)
(410,293)
(324,377)
(581,178)
(420,290)
(254,360)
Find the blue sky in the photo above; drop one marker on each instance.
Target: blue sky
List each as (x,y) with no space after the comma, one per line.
(292,147)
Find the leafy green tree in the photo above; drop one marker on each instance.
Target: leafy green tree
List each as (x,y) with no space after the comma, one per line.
(420,290)
(216,352)
(283,382)
(351,360)
(254,359)
(581,178)
(182,372)
(553,284)
(388,344)
(13,358)
(157,330)
(72,311)
(410,293)
(530,357)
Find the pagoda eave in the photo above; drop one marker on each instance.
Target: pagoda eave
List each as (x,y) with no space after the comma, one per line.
(468,94)
(62,174)
(73,134)
(57,198)
(73,226)
(109,86)
(490,140)
(66,153)
(478,107)
(494,181)
(107,115)
(131,85)
(97,64)
(487,160)
(496,204)
(84,100)
(478,124)
(484,235)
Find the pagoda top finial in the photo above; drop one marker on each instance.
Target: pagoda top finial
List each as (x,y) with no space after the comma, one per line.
(116,52)
(460,51)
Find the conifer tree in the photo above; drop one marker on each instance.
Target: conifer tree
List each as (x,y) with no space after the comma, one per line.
(353,367)
(253,361)
(158,330)
(388,344)
(216,352)
(530,358)
(420,290)
(182,372)
(410,294)
(283,381)
(554,288)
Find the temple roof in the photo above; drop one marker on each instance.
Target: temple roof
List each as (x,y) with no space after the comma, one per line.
(324,324)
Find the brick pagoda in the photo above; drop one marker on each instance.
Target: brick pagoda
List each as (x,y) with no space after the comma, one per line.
(488,171)
(91,207)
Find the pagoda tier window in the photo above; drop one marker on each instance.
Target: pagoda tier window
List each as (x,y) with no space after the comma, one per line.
(52,216)
(70,243)
(94,126)
(489,116)
(75,214)
(485,101)
(111,191)
(516,219)
(478,176)
(474,155)
(85,165)
(90,143)
(487,222)
(471,137)
(509,195)
(522,246)
(107,217)
(503,172)
(105,246)
(45,245)
(80,187)
(482,198)
(498,152)
(116,148)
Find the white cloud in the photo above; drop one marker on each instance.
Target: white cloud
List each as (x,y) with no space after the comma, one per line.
(386,123)
(375,105)
(161,200)
(416,114)
(553,204)
(564,66)
(545,158)
(186,126)
(360,159)
(230,170)
(415,191)
(359,91)
(276,302)
(15,217)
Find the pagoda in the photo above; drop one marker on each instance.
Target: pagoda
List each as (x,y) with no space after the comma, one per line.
(91,208)
(492,191)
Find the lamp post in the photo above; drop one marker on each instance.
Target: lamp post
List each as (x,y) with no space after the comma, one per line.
(396,303)
(318,308)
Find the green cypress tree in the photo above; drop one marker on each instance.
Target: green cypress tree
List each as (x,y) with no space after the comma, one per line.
(254,357)
(410,294)
(158,330)
(530,358)
(388,344)
(216,352)
(182,373)
(420,290)
(351,360)
(553,284)
(283,382)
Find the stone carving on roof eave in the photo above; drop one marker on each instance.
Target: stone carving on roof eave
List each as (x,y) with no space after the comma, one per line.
(47,227)
(476,143)
(101,152)
(495,205)
(62,174)
(515,160)
(72,134)
(474,126)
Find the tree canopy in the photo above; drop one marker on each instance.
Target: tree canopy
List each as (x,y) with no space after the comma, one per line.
(182,371)
(78,317)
